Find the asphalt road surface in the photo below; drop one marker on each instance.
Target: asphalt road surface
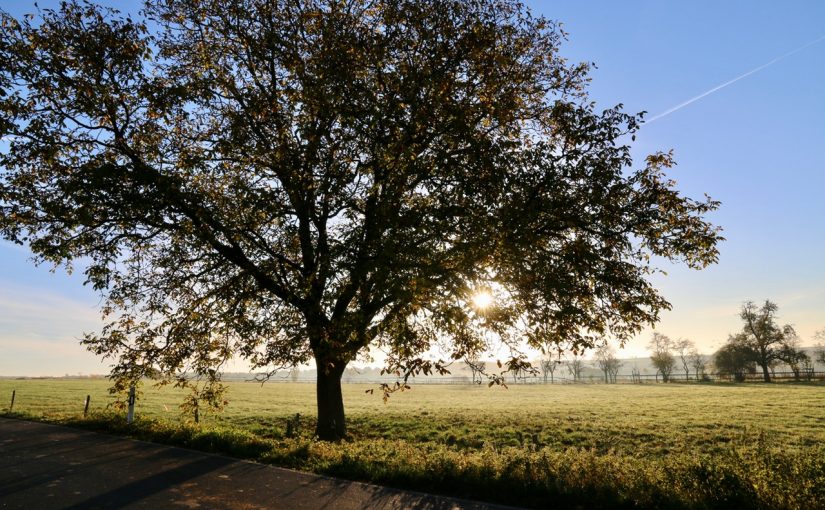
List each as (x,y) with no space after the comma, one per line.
(47,467)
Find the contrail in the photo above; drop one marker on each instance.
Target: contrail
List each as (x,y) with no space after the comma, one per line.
(730,82)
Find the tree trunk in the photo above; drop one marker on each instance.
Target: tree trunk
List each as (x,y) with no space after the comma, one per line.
(766,374)
(331,424)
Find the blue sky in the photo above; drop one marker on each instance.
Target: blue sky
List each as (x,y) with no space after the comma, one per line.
(758,145)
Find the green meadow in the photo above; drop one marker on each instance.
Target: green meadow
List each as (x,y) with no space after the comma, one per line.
(560,446)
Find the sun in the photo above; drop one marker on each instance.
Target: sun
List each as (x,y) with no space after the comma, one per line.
(482,299)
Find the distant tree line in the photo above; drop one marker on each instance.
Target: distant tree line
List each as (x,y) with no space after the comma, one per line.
(762,345)
(668,355)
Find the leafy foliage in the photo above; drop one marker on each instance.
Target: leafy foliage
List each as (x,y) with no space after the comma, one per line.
(294,180)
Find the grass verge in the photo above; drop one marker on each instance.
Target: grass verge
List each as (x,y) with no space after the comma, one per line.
(756,475)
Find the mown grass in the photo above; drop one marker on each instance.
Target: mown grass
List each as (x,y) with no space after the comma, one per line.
(588,446)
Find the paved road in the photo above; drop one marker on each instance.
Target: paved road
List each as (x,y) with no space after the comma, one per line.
(50,467)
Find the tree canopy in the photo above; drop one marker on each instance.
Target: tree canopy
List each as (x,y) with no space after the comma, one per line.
(763,343)
(768,341)
(294,180)
(661,355)
(735,359)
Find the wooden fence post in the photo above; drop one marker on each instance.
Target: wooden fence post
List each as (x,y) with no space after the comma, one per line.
(13,392)
(86,406)
(130,415)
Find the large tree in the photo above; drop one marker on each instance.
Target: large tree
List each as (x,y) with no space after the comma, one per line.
(294,180)
(763,335)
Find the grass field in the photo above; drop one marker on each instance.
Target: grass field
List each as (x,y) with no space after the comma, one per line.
(566,446)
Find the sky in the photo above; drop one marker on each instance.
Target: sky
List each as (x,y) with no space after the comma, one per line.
(753,139)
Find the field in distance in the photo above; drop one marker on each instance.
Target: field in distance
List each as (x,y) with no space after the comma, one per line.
(668,446)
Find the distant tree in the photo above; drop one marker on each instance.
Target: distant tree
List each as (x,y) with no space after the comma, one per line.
(548,364)
(605,356)
(575,365)
(697,361)
(476,367)
(290,182)
(683,348)
(516,372)
(819,349)
(763,335)
(294,374)
(660,347)
(773,365)
(600,356)
(613,369)
(808,368)
(794,356)
(735,359)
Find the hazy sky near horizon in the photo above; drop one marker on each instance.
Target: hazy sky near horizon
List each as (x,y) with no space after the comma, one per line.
(756,143)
